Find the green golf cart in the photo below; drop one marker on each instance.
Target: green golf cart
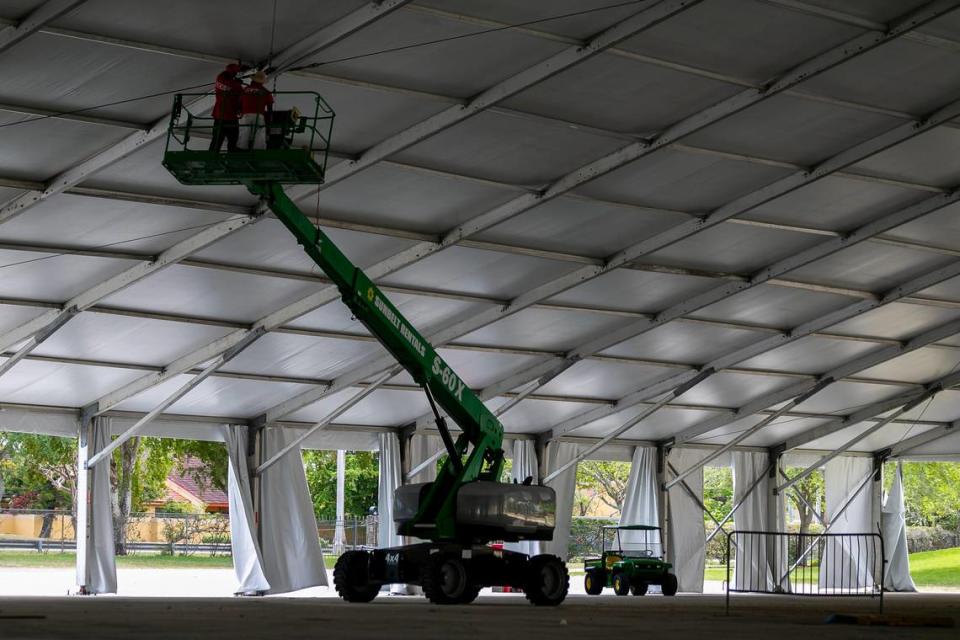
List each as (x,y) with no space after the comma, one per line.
(632,562)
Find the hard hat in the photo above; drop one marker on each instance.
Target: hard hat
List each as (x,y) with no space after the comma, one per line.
(233,67)
(260,77)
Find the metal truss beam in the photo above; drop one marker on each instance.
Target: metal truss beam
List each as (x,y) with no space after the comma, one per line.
(35,21)
(872,410)
(79,172)
(904,447)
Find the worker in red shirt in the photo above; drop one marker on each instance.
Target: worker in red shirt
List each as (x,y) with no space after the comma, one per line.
(227,108)
(257,108)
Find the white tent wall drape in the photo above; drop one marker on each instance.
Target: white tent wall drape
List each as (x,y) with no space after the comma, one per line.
(845,564)
(641,501)
(391,477)
(556,455)
(247,559)
(292,558)
(525,466)
(894,527)
(755,554)
(686,548)
(99,552)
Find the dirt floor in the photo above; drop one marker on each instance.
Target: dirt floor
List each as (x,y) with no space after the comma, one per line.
(608,617)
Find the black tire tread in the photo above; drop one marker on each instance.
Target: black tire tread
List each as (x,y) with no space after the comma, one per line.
(348,565)
(531,588)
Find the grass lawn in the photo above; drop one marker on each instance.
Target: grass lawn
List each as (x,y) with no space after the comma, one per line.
(55,559)
(936,568)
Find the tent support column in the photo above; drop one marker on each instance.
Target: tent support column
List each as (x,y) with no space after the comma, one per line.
(84,501)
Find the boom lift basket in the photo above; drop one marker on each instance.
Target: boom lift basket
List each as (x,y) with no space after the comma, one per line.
(297,136)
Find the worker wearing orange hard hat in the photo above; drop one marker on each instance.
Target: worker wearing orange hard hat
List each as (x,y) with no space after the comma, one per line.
(227,108)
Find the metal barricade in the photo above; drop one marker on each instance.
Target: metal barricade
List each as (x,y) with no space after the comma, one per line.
(805,564)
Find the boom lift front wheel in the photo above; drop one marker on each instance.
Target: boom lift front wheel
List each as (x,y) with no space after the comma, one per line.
(351,577)
(547,580)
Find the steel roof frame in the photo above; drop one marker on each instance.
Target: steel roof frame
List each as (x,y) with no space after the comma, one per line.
(35,21)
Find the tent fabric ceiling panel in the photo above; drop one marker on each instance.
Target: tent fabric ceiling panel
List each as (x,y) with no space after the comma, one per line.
(13,315)
(141,172)
(426,314)
(887,435)
(728,389)
(877,268)
(52,277)
(733,248)
(661,425)
(595,379)
(115,338)
(689,343)
(242,31)
(682,180)
(948,443)
(535,416)
(478,369)
(211,294)
(615,93)
(21,157)
(88,222)
(897,321)
(770,435)
(510,149)
(930,158)
(407,199)
(479,272)
(876,10)
(269,244)
(772,306)
(50,71)
(216,396)
(633,290)
(792,129)
(843,398)
(61,385)
(939,229)
(901,63)
(440,67)
(948,289)
(543,329)
(813,355)
(284,354)
(575,225)
(745,38)
(836,203)
(945,407)
(922,365)
(382,408)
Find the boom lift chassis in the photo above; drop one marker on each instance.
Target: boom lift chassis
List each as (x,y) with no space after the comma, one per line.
(467,506)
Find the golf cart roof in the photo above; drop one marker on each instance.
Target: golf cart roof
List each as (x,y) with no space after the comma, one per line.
(631,527)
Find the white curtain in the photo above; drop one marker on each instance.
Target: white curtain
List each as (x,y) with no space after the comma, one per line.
(292,558)
(557,454)
(390,480)
(421,448)
(894,527)
(525,466)
(100,559)
(640,502)
(247,559)
(686,548)
(845,564)
(755,554)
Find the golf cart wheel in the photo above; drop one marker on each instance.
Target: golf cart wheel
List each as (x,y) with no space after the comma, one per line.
(639,589)
(547,581)
(621,584)
(446,580)
(351,577)
(669,584)
(593,583)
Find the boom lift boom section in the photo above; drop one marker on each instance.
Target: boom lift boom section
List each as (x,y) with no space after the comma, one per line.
(467,506)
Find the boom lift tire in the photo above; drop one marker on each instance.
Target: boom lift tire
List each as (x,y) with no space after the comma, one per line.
(593,583)
(446,580)
(547,580)
(669,584)
(621,584)
(350,577)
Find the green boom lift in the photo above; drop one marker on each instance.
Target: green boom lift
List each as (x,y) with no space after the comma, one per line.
(467,506)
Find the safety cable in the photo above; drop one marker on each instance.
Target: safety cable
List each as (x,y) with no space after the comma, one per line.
(506,27)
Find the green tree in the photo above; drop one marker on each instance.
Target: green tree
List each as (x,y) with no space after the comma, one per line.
(931,493)
(807,497)
(361,478)
(717,492)
(603,480)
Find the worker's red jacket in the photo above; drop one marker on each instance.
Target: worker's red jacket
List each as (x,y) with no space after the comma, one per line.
(256,98)
(229,100)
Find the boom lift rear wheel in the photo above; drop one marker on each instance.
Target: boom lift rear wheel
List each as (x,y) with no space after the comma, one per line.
(547,580)
(350,577)
(446,580)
